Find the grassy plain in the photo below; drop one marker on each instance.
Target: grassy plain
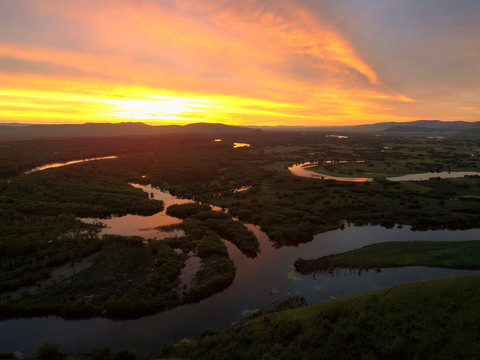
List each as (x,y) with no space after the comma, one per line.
(397,160)
(448,254)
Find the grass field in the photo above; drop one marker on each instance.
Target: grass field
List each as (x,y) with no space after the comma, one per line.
(451,254)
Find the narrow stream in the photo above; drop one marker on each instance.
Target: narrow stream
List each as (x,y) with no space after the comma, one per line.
(59,164)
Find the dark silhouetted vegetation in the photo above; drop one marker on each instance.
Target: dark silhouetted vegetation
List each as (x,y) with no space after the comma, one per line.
(203,231)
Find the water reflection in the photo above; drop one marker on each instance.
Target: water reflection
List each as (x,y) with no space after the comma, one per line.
(59,164)
(145,226)
(337,136)
(241,189)
(258,283)
(239,145)
(302,170)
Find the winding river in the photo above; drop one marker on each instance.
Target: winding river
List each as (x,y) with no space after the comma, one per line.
(258,283)
(302,170)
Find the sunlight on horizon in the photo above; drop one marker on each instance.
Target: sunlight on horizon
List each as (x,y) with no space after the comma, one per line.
(157,107)
(137,103)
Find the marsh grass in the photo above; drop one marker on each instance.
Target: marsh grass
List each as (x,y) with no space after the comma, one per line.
(447,254)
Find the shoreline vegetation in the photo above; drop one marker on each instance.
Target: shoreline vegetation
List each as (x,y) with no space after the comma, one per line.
(435,319)
(447,254)
(318,171)
(128,278)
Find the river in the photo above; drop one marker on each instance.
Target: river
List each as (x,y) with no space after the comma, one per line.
(258,283)
(59,164)
(302,170)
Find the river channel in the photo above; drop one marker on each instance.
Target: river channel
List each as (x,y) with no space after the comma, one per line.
(258,283)
(59,164)
(302,170)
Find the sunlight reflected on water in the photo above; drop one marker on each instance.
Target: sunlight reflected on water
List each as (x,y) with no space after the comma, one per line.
(302,170)
(239,145)
(59,164)
(145,226)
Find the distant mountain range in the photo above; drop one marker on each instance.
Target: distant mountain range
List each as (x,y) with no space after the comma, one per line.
(417,126)
(19,131)
(432,126)
(29,131)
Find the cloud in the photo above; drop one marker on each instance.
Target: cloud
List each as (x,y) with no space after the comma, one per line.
(298,53)
(21,66)
(213,41)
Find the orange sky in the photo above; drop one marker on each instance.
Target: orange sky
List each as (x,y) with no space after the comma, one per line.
(249,62)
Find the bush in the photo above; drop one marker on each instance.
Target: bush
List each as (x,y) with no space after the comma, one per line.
(49,352)
(209,332)
(125,354)
(101,354)
(211,245)
(184,211)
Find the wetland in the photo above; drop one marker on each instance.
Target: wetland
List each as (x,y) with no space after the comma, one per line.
(210,229)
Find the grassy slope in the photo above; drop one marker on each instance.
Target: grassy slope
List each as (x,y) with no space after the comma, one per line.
(426,320)
(448,254)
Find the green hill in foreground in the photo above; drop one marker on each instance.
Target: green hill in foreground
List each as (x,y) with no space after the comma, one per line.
(427,320)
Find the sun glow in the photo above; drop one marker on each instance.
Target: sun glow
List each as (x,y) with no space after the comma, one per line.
(238,66)
(158,107)
(153,106)
(208,108)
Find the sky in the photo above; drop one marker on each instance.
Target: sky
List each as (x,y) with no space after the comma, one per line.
(245,62)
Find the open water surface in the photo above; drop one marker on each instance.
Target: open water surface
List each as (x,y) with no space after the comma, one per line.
(59,164)
(302,170)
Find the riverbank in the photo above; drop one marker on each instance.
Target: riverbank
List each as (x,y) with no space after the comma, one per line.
(435,319)
(448,254)
(427,320)
(259,282)
(315,171)
(132,277)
